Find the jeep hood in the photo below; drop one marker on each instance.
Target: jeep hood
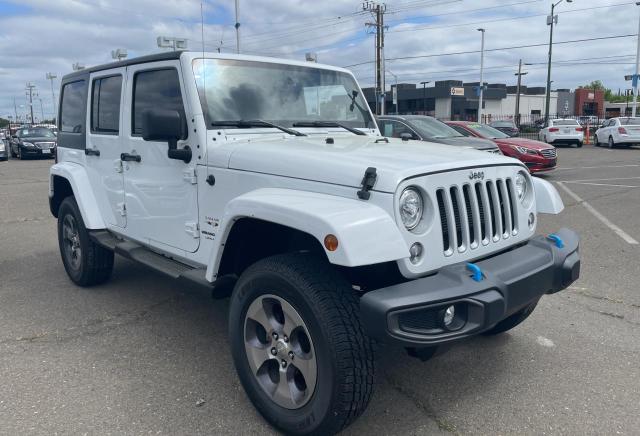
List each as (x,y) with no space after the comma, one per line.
(345,161)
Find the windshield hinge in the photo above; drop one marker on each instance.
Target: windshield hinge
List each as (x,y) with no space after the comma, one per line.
(369,179)
(189,175)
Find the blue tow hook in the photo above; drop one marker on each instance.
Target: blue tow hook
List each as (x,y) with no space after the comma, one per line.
(557,239)
(476,271)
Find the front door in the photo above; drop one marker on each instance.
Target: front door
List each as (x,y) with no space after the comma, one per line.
(104,143)
(160,193)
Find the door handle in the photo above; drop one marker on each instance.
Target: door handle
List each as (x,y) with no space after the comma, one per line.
(126,157)
(92,152)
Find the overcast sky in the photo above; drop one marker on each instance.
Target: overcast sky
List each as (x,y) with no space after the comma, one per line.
(40,36)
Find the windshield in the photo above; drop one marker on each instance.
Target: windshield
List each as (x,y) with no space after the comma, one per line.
(630,121)
(487,131)
(35,133)
(431,128)
(233,90)
(502,124)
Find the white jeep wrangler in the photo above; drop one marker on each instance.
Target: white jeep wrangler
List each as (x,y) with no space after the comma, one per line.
(268,180)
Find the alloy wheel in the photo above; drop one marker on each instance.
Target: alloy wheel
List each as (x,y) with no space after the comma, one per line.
(280,351)
(71,239)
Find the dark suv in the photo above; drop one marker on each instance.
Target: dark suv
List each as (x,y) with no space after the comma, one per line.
(32,142)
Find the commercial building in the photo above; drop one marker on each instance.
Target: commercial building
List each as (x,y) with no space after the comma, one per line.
(456,100)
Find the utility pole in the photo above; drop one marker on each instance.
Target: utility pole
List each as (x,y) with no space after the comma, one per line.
(51,76)
(519,74)
(30,87)
(635,78)
(379,10)
(481,76)
(237,26)
(551,21)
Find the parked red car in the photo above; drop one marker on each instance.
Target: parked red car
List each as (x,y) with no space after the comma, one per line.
(536,155)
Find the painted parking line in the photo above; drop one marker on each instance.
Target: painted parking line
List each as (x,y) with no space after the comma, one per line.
(599,180)
(601,184)
(624,235)
(593,168)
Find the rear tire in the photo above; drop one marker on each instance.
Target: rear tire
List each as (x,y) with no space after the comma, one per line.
(86,262)
(512,321)
(610,142)
(580,144)
(289,293)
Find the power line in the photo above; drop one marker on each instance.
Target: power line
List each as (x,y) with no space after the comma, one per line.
(498,49)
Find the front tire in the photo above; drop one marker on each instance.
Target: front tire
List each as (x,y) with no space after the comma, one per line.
(298,345)
(86,262)
(512,321)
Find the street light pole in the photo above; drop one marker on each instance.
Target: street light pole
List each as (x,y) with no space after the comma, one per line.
(551,20)
(396,88)
(51,76)
(519,74)
(237,26)
(635,79)
(481,77)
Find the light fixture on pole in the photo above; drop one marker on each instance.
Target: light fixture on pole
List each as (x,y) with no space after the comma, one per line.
(119,54)
(51,76)
(311,57)
(635,77)
(172,42)
(481,87)
(551,21)
(77,66)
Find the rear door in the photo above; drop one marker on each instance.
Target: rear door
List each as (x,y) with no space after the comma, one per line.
(160,193)
(105,143)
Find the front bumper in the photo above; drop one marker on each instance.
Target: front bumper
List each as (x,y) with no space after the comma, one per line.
(36,151)
(409,314)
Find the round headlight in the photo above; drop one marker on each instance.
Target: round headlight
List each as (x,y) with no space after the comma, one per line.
(411,208)
(521,186)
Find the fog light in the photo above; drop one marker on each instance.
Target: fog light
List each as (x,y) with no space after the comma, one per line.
(532,220)
(416,252)
(449,315)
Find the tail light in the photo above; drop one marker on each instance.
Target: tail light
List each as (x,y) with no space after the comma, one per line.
(554,129)
(622,131)
(578,129)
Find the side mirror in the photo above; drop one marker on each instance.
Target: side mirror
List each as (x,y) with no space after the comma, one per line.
(166,125)
(406,136)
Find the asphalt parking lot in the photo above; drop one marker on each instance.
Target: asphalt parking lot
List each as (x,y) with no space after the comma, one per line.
(143,354)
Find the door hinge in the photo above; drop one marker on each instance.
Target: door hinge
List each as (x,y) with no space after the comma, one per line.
(117,165)
(189,175)
(193,229)
(122,209)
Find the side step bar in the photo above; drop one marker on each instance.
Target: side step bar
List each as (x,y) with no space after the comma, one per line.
(153,260)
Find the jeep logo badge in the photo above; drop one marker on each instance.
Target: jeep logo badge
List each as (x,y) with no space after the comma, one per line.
(477,175)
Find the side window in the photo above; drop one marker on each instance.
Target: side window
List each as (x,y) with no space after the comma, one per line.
(105,105)
(459,129)
(155,89)
(387,128)
(72,110)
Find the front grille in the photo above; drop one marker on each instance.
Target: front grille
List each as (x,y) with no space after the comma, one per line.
(476,214)
(44,145)
(549,153)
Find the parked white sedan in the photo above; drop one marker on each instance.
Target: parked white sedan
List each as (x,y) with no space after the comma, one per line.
(618,131)
(562,131)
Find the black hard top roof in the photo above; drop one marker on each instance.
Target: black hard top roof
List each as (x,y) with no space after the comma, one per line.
(164,56)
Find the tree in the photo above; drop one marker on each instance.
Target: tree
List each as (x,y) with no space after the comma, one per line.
(596,85)
(609,95)
(3,123)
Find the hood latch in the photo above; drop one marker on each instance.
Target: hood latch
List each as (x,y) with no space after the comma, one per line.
(369,179)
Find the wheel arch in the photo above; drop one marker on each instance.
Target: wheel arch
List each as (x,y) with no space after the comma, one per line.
(366,233)
(69,179)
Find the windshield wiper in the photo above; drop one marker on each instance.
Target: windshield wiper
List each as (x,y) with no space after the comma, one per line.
(247,124)
(328,124)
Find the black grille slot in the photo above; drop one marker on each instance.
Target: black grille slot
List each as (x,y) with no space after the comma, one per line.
(466,190)
(489,186)
(456,214)
(513,203)
(502,205)
(483,223)
(443,219)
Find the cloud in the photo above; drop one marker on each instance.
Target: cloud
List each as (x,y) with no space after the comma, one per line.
(39,36)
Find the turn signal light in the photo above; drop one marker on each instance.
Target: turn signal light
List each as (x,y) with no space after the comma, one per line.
(622,130)
(331,242)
